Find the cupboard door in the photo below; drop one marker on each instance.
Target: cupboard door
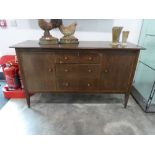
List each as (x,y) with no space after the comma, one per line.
(38,70)
(117,68)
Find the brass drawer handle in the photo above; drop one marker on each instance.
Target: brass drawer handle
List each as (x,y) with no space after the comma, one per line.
(89,70)
(106,71)
(88,84)
(66,84)
(90,58)
(66,58)
(66,70)
(61,62)
(50,69)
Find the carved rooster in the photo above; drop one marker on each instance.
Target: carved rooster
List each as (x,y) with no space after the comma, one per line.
(45,25)
(68,32)
(47,38)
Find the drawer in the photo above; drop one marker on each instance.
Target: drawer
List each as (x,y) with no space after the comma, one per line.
(77,57)
(77,71)
(66,57)
(89,58)
(67,84)
(88,84)
(85,84)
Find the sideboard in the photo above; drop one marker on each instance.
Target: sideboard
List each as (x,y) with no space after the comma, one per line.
(87,67)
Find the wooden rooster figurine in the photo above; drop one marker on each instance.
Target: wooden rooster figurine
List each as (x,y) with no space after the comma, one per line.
(68,32)
(47,38)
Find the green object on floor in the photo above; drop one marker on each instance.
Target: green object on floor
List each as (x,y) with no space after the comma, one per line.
(3,100)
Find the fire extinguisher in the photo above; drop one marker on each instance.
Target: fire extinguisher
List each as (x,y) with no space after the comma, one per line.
(12,76)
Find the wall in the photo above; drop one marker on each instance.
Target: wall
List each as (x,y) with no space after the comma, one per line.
(22,31)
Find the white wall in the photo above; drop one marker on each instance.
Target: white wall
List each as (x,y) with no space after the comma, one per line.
(134,26)
(22,32)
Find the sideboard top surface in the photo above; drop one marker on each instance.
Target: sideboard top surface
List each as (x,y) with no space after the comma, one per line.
(98,45)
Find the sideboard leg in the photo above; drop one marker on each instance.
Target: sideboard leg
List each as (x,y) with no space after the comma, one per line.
(27,99)
(126,99)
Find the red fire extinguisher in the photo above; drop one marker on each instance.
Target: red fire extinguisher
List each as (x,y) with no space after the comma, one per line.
(12,76)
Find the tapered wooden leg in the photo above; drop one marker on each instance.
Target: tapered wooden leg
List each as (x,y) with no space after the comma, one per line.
(126,99)
(27,99)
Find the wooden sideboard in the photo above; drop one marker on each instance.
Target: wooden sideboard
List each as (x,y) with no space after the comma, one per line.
(89,67)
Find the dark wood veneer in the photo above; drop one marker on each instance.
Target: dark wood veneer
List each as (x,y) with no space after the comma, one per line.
(89,67)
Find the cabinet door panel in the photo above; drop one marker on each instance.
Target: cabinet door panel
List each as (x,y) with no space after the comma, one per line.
(38,70)
(117,70)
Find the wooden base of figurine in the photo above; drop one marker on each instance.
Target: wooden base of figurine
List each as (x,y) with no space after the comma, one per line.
(69,40)
(48,41)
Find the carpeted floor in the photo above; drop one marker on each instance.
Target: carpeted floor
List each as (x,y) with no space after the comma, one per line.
(75,114)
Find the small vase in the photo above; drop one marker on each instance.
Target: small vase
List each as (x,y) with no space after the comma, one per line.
(125,35)
(116,31)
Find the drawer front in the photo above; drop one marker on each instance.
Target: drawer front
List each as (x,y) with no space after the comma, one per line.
(66,57)
(77,71)
(89,58)
(77,57)
(88,84)
(82,85)
(67,84)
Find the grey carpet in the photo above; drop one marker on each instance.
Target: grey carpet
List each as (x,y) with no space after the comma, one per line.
(75,114)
